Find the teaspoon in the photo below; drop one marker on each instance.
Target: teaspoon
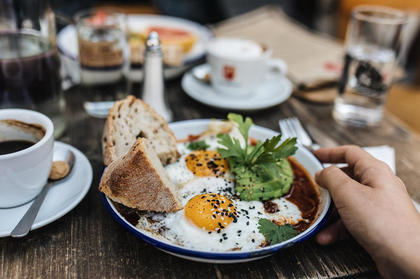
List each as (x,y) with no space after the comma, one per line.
(25,224)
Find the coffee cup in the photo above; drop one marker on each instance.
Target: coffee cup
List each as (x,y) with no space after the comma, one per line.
(238,66)
(26,154)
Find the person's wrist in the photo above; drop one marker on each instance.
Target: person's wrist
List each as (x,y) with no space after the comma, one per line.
(400,257)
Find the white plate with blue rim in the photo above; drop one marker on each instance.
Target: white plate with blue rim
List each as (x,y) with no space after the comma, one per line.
(67,44)
(60,199)
(184,128)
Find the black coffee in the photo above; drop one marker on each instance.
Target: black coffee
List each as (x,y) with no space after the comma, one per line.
(29,72)
(11,146)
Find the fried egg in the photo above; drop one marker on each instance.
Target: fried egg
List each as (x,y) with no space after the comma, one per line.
(213,218)
(194,164)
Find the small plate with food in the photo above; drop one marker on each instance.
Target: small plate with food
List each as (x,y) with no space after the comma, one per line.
(183,43)
(220,191)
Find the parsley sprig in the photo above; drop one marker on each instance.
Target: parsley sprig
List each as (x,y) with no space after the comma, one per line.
(274,233)
(267,151)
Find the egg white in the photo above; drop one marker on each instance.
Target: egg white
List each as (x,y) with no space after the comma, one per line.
(242,235)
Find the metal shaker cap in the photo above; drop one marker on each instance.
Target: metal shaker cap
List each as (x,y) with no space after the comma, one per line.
(152,42)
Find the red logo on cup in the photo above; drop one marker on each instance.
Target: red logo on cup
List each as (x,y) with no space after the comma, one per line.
(228,72)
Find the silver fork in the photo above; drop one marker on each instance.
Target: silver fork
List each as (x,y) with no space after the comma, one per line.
(291,127)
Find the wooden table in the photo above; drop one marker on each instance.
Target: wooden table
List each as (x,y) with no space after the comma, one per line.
(88,243)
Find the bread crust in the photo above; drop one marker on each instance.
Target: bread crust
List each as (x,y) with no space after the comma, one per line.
(134,181)
(110,131)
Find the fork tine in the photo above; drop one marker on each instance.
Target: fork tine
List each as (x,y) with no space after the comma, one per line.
(286,133)
(292,127)
(282,128)
(302,134)
(295,127)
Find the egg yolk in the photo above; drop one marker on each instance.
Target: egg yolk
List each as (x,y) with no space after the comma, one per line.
(206,163)
(211,212)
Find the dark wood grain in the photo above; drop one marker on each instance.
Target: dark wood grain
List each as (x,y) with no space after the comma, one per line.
(88,243)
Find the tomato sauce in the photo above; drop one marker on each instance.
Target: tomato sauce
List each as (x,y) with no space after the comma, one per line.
(304,195)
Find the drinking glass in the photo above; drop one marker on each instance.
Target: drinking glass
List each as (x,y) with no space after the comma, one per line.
(373,42)
(29,62)
(103,59)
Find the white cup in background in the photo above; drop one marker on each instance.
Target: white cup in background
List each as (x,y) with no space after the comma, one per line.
(25,172)
(238,66)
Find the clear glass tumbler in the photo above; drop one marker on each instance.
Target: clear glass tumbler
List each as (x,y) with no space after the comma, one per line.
(373,41)
(29,62)
(103,59)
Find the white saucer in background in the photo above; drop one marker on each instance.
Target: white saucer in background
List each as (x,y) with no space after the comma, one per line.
(60,199)
(273,91)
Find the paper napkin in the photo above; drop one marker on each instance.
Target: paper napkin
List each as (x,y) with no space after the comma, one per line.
(384,153)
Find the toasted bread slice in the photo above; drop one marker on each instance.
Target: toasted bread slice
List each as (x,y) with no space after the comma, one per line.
(138,180)
(130,119)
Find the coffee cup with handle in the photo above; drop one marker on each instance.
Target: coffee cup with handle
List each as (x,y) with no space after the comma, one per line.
(26,154)
(238,66)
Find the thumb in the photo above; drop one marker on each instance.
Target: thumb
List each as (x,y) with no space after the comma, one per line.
(336,181)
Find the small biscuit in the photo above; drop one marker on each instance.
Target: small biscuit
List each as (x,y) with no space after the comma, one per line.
(59,170)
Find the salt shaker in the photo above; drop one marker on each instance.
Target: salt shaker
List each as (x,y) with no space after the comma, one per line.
(153,83)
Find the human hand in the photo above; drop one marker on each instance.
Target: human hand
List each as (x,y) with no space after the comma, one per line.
(374,207)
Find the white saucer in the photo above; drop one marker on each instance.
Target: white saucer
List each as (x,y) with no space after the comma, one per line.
(60,199)
(275,90)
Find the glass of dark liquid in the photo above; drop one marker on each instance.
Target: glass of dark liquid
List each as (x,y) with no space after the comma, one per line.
(103,59)
(29,62)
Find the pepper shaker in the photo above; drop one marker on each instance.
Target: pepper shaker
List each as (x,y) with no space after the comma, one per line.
(153,82)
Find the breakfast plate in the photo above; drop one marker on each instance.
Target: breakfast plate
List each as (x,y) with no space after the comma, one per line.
(183,129)
(67,44)
(273,91)
(60,198)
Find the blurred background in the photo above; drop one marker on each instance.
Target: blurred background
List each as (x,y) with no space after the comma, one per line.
(325,16)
